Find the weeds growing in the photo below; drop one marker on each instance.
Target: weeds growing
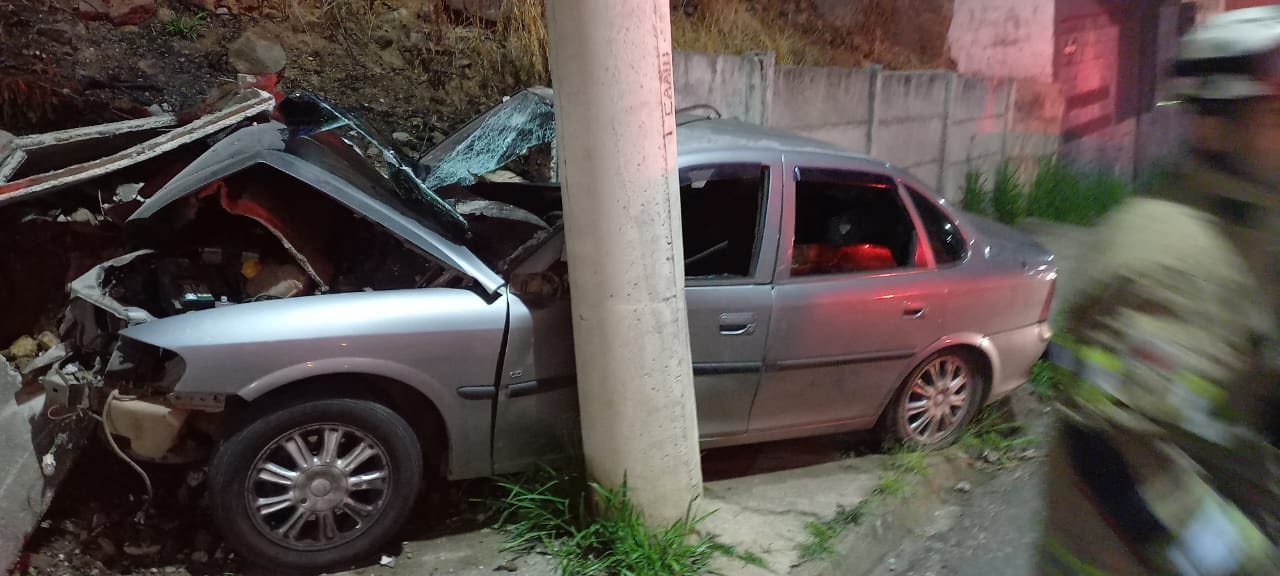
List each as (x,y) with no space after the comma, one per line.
(1059,192)
(1049,380)
(1008,195)
(821,535)
(1064,193)
(977,194)
(186,27)
(550,511)
(994,438)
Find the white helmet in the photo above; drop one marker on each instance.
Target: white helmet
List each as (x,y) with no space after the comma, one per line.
(1232,56)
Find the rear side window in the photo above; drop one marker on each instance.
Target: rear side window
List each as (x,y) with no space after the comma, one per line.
(721,217)
(849,222)
(948,244)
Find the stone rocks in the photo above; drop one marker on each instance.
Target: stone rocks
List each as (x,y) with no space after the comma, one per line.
(118,12)
(255,53)
(487,9)
(227,7)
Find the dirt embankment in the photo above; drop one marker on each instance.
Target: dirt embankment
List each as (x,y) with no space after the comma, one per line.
(411,66)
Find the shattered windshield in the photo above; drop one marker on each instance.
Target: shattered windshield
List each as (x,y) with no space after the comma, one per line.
(491,141)
(310,117)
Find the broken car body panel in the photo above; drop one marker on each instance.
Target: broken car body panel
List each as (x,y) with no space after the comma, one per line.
(268,144)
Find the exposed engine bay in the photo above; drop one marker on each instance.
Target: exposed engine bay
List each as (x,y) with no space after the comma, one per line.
(139,236)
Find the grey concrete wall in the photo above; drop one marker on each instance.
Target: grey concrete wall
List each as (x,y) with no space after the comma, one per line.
(729,83)
(911,122)
(1003,38)
(830,104)
(936,124)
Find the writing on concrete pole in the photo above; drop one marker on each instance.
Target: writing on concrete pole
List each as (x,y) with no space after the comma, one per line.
(614,85)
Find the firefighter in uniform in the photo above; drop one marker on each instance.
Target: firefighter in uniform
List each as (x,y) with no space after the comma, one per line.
(1165,461)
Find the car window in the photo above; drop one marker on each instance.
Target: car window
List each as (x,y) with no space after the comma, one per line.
(721,213)
(849,222)
(948,245)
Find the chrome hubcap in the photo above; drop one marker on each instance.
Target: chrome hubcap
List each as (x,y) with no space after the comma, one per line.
(937,399)
(319,486)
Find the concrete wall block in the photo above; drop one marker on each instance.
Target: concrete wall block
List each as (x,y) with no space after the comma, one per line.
(979,98)
(806,97)
(720,80)
(1033,144)
(927,173)
(850,136)
(907,143)
(911,95)
(975,138)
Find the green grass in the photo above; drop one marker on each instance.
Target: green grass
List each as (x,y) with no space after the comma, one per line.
(1064,193)
(992,437)
(1008,195)
(1059,192)
(187,27)
(821,535)
(550,511)
(1048,380)
(977,194)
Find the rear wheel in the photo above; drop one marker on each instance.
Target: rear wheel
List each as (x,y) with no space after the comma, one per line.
(318,485)
(938,399)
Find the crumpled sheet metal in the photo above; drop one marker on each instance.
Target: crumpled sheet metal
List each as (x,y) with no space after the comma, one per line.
(90,289)
(36,453)
(491,141)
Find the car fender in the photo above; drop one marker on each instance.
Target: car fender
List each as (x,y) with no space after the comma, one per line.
(437,341)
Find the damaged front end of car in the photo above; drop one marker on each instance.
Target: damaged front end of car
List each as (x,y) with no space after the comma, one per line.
(263,199)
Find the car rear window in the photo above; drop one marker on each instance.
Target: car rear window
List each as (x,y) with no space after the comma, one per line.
(949,246)
(849,222)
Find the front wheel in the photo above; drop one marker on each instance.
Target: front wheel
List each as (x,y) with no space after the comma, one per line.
(937,400)
(316,486)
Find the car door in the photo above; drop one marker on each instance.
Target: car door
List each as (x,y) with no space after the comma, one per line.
(856,299)
(729,224)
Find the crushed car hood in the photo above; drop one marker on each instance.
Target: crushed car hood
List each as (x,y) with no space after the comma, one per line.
(328,161)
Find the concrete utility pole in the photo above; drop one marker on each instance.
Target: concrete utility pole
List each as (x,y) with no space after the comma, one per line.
(614,97)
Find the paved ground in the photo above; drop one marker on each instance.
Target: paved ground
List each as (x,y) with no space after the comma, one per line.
(991,531)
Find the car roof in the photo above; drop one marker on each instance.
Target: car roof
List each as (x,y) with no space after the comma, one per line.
(710,134)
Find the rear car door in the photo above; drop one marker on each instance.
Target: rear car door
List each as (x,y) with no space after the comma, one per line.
(728,210)
(856,298)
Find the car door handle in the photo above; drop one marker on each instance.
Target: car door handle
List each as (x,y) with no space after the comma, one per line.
(912,311)
(738,324)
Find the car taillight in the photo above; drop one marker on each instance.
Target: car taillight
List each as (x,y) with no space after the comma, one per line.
(1048,299)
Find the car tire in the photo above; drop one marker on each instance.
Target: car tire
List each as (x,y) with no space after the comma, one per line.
(927,415)
(316,486)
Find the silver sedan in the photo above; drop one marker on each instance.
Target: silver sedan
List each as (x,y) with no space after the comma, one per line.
(333,320)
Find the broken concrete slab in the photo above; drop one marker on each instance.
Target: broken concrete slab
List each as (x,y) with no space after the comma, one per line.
(36,452)
(245,105)
(768,513)
(863,548)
